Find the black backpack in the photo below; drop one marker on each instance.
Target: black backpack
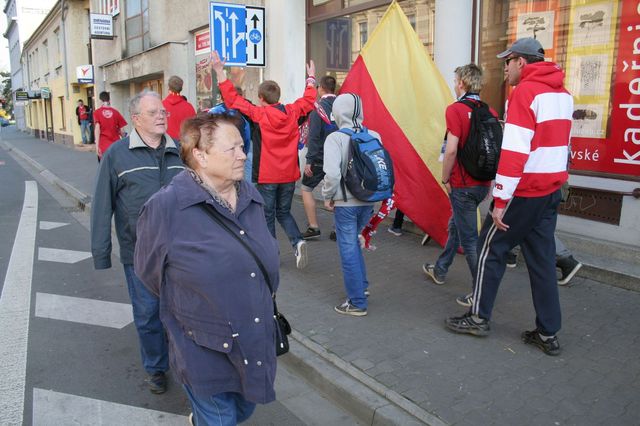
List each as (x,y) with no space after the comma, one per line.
(480,154)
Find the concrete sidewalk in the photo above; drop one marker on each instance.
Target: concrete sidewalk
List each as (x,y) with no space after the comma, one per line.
(398,365)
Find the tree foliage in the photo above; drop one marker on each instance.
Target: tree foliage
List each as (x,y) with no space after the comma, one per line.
(6,95)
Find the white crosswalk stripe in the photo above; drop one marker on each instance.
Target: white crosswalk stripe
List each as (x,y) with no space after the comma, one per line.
(84,311)
(47,226)
(61,255)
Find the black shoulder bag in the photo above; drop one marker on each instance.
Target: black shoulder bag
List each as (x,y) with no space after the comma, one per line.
(283,329)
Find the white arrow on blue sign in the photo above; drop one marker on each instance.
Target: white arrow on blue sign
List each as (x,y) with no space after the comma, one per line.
(237,33)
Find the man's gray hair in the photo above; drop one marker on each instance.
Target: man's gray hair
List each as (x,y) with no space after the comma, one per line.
(134,103)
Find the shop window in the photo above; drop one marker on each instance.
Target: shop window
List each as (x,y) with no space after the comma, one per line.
(591,40)
(335,43)
(137,26)
(364,35)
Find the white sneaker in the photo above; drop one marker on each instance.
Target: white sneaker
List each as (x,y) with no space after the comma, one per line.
(301,254)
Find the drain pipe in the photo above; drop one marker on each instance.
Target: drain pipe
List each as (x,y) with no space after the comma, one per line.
(64,50)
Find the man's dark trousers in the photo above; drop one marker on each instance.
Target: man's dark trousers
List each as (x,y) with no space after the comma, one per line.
(532,223)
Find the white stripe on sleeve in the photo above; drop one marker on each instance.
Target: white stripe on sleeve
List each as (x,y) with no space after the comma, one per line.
(505,186)
(517,138)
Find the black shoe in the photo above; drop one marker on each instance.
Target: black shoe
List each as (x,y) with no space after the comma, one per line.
(512,260)
(467,325)
(311,233)
(551,346)
(332,236)
(569,267)
(157,383)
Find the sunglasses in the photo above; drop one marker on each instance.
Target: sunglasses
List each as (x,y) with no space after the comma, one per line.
(506,62)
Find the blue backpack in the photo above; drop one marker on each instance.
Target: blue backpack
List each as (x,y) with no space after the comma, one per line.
(369,175)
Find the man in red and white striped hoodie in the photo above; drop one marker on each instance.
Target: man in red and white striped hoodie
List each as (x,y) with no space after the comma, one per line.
(532,167)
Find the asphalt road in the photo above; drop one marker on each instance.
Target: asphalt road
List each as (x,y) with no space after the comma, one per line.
(70,353)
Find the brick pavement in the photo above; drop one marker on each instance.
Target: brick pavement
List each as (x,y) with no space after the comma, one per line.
(402,344)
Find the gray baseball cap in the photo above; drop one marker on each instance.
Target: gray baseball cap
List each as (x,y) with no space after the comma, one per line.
(524,46)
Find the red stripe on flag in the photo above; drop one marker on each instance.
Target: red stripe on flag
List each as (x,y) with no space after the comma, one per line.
(418,193)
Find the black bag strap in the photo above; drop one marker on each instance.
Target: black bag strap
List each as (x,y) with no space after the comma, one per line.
(211,211)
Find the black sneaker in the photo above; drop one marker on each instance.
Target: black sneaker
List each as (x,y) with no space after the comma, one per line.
(332,236)
(430,270)
(551,346)
(569,266)
(311,233)
(157,383)
(467,325)
(466,300)
(348,309)
(512,260)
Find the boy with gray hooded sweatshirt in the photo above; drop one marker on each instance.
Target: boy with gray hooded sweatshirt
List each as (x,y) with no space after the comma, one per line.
(350,214)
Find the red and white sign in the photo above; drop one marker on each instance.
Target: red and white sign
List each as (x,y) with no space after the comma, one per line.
(84,74)
(619,152)
(202,42)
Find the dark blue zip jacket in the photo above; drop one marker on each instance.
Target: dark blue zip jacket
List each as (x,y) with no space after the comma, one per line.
(130,172)
(214,301)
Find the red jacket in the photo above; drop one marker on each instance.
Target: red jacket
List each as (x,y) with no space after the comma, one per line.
(179,110)
(277,155)
(535,152)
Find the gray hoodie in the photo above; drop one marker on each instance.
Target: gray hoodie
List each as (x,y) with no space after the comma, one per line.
(347,111)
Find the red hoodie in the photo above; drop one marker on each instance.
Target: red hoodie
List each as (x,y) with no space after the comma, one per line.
(179,110)
(277,157)
(535,145)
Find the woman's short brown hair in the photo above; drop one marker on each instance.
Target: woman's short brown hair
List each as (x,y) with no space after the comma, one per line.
(204,124)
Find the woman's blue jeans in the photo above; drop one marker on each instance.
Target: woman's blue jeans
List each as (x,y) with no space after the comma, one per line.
(223,409)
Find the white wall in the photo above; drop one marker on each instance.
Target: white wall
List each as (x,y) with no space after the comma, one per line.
(286,41)
(452,40)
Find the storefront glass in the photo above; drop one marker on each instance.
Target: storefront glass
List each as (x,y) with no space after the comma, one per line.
(335,43)
(595,42)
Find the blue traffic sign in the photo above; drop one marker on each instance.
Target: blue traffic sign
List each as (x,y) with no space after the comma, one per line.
(228,29)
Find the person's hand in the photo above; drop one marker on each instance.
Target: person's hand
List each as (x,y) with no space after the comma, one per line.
(311,69)
(329,204)
(307,170)
(447,186)
(497,215)
(216,63)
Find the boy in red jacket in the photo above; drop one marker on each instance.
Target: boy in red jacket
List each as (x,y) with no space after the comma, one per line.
(178,109)
(275,157)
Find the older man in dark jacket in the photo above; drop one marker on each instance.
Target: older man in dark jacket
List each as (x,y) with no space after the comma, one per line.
(131,171)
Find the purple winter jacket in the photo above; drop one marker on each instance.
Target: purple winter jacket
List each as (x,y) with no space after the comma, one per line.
(214,301)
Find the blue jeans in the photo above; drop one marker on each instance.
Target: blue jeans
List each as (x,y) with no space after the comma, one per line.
(85,131)
(146,317)
(349,223)
(223,409)
(277,205)
(463,229)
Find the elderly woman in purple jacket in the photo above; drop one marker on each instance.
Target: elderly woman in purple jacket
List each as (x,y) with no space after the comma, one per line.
(215,303)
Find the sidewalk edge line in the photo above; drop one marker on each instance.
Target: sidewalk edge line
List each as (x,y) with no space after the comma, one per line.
(390,395)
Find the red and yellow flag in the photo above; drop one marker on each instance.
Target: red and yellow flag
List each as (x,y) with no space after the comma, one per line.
(404,99)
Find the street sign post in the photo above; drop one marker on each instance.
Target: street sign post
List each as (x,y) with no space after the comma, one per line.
(237,33)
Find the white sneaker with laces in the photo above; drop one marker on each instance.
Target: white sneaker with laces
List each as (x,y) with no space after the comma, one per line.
(301,254)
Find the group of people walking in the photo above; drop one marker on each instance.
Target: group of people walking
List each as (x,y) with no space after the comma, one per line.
(197,239)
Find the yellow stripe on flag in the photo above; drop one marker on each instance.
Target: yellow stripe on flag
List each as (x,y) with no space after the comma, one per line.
(409,84)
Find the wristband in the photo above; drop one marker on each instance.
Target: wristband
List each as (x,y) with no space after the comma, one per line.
(311,81)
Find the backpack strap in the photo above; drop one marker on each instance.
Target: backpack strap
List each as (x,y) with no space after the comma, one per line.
(343,185)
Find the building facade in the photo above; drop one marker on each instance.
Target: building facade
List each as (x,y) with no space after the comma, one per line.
(594,41)
(23,17)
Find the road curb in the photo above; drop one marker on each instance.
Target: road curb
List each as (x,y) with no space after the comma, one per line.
(83,200)
(364,397)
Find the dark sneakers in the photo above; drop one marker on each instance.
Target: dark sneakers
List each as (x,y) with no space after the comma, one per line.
(348,309)
(157,383)
(551,346)
(569,266)
(467,325)
(430,270)
(311,233)
(512,259)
